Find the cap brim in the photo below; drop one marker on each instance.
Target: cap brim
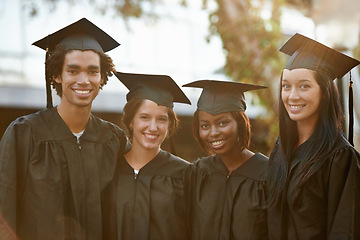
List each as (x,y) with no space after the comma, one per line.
(310,54)
(153,87)
(83,26)
(241,87)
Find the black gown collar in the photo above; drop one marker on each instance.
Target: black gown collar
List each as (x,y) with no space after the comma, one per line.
(94,130)
(255,167)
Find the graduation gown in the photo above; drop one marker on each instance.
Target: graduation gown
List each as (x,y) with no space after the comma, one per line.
(230,206)
(327,206)
(154,204)
(51,185)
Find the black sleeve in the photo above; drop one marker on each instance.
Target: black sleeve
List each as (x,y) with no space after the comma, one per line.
(344,195)
(15,153)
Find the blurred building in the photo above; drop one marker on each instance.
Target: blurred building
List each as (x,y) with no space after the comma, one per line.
(175,45)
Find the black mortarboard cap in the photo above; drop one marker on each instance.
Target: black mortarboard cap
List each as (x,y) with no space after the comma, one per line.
(222,96)
(310,54)
(80,35)
(160,89)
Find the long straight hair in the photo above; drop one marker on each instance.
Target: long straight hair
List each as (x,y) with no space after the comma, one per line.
(327,128)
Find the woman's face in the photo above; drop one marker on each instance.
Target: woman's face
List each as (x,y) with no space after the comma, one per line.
(219,132)
(301,95)
(150,125)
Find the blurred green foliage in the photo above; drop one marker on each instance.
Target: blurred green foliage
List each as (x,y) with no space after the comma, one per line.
(250,42)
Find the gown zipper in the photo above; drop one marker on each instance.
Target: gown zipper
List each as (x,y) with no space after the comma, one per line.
(134,209)
(228,177)
(78,143)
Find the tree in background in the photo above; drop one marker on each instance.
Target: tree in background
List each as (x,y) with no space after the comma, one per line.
(251,46)
(250,43)
(356,52)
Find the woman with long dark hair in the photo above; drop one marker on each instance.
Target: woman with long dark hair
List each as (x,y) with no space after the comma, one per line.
(229,197)
(153,187)
(314,174)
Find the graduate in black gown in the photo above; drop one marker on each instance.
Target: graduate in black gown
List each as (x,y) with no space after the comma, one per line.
(314,175)
(154,185)
(229,197)
(57,164)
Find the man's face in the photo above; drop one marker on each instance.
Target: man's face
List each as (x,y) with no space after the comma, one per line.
(80,78)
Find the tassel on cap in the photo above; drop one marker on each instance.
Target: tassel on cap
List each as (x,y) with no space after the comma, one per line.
(310,54)
(351,113)
(49,103)
(80,35)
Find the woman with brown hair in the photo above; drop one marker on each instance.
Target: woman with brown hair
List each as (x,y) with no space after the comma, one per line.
(153,185)
(229,199)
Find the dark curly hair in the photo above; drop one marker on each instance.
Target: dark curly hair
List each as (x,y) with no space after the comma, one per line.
(131,108)
(243,125)
(55,62)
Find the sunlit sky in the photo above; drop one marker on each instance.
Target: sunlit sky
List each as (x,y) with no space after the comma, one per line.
(174,45)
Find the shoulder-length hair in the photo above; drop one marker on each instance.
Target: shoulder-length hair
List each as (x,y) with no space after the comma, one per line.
(132,106)
(54,66)
(327,128)
(243,128)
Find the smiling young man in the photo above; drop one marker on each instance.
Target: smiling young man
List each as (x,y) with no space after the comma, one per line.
(57,165)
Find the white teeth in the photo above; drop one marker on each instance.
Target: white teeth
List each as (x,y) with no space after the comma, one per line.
(216,143)
(296,107)
(150,136)
(82,91)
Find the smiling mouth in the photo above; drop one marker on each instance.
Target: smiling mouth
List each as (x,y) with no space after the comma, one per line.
(82,92)
(295,107)
(150,136)
(217,143)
